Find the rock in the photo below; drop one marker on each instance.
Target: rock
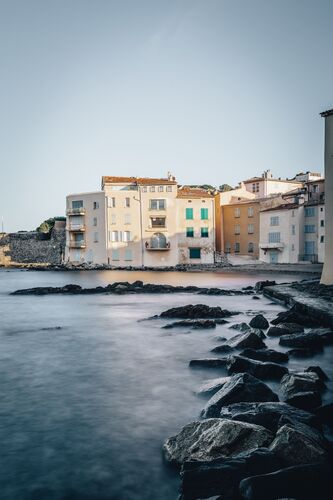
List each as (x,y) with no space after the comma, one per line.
(318,371)
(214,438)
(259,321)
(212,386)
(258,332)
(326,334)
(304,352)
(256,297)
(307,340)
(222,476)
(301,482)
(296,447)
(196,311)
(268,355)
(260,285)
(242,327)
(195,324)
(259,369)
(302,390)
(293,316)
(208,362)
(240,341)
(240,387)
(248,287)
(267,414)
(325,414)
(305,400)
(284,329)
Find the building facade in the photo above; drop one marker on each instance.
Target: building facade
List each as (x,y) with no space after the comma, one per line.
(266,185)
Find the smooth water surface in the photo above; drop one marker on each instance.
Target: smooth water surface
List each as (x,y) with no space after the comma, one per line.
(89,388)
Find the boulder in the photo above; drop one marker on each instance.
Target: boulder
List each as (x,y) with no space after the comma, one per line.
(240,341)
(307,400)
(267,414)
(294,316)
(195,324)
(210,387)
(284,329)
(304,352)
(302,389)
(196,311)
(326,334)
(259,369)
(268,355)
(214,438)
(239,388)
(241,327)
(260,285)
(295,447)
(259,321)
(256,297)
(222,476)
(318,371)
(208,362)
(258,332)
(302,340)
(301,482)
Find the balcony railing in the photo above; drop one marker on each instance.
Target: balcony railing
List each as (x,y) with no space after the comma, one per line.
(269,246)
(308,257)
(77,244)
(76,211)
(75,227)
(152,245)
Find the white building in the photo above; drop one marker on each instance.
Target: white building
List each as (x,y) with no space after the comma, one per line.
(266,185)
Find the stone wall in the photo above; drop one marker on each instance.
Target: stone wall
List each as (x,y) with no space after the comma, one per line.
(33,247)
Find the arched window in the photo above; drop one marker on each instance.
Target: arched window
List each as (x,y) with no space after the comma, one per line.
(250,248)
(158,240)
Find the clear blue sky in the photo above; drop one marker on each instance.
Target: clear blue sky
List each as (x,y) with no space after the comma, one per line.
(213,90)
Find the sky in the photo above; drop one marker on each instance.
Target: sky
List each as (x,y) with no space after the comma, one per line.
(214,91)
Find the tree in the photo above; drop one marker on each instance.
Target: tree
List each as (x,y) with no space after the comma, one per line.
(47,225)
(225,187)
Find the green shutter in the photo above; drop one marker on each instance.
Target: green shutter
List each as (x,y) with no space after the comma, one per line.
(189,213)
(204,213)
(195,253)
(204,232)
(190,232)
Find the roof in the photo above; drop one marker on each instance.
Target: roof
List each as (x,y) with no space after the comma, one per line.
(284,206)
(257,179)
(329,112)
(187,192)
(245,201)
(109,179)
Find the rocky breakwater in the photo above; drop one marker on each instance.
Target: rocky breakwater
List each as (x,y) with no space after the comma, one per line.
(255,440)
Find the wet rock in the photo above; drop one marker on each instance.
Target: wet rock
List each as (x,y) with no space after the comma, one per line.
(302,390)
(259,369)
(210,387)
(284,329)
(304,352)
(260,285)
(303,340)
(294,446)
(325,414)
(196,324)
(268,355)
(267,414)
(241,387)
(213,438)
(293,316)
(248,287)
(241,327)
(222,476)
(196,311)
(259,321)
(306,400)
(301,482)
(318,371)
(326,334)
(208,362)
(256,297)
(240,341)
(258,332)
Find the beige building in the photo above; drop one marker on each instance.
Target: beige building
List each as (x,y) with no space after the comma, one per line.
(266,185)
(141,222)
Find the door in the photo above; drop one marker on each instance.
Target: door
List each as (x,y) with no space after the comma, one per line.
(274,257)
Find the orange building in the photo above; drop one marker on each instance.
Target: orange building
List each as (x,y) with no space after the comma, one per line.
(240,227)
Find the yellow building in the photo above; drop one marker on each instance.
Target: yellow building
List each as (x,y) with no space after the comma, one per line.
(240,227)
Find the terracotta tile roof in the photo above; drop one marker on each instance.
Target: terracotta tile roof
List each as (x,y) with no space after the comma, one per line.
(147,181)
(285,206)
(187,192)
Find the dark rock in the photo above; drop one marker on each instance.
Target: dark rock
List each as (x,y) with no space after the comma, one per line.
(208,362)
(222,476)
(256,297)
(210,387)
(304,352)
(293,316)
(241,327)
(307,340)
(326,334)
(259,321)
(259,369)
(325,414)
(240,341)
(260,285)
(247,287)
(240,387)
(305,400)
(213,438)
(265,355)
(316,369)
(301,482)
(195,324)
(302,390)
(267,414)
(283,329)
(258,332)
(196,311)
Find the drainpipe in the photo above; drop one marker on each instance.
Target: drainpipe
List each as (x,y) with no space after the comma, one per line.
(141,229)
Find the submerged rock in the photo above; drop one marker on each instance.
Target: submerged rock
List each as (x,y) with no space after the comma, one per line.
(239,388)
(293,316)
(318,371)
(259,321)
(284,329)
(259,369)
(302,340)
(208,362)
(196,324)
(214,438)
(241,327)
(240,341)
(268,355)
(196,311)
(211,386)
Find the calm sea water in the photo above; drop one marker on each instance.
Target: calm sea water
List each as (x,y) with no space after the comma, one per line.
(84,408)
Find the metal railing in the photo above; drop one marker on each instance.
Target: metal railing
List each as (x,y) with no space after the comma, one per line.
(75,227)
(308,257)
(149,245)
(76,211)
(77,244)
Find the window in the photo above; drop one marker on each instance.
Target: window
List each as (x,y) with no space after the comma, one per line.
(250,228)
(254,187)
(204,213)
(144,189)
(157,204)
(112,202)
(309,212)
(250,247)
(95,237)
(113,218)
(128,254)
(250,212)
(292,247)
(189,232)
(293,213)
(311,228)
(152,189)
(227,248)
(274,237)
(322,223)
(157,221)
(95,221)
(322,239)
(115,236)
(127,202)
(321,209)
(189,213)
(293,229)
(77,204)
(160,189)
(169,189)
(237,247)
(127,218)
(115,254)
(309,247)
(237,229)
(195,253)
(127,236)
(275,221)
(95,205)
(204,232)
(237,212)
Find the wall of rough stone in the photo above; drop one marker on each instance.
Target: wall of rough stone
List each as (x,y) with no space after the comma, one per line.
(33,247)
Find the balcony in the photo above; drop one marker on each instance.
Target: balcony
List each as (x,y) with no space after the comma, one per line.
(76,211)
(157,242)
(308,257)
(76,227)
(271,246)
(77,244)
